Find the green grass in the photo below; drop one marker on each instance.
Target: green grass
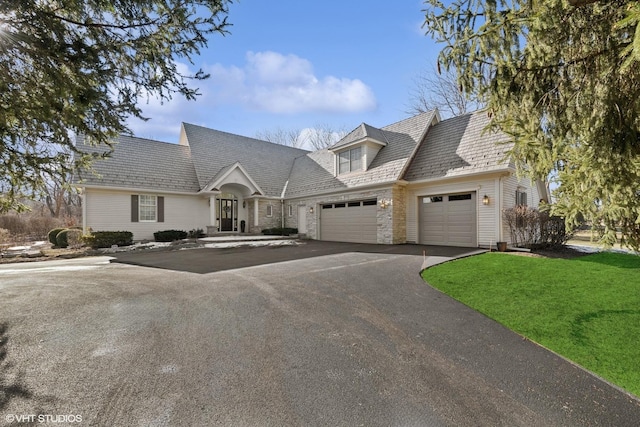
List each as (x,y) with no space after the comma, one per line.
(586,309)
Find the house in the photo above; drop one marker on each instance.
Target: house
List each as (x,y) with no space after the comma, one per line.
(420,180)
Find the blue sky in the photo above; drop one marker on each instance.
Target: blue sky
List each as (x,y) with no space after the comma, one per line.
(296,64)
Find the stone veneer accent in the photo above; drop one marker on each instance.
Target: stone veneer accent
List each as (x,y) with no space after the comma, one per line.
(399,214)
(263,220)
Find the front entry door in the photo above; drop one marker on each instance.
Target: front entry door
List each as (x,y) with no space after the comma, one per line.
(227,214)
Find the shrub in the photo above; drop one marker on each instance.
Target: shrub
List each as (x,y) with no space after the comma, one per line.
(4,237)
(106,239)
(531,228)
(74,238)
(61,238)
(53,234)
(279,231)
(196,233)
(169,235)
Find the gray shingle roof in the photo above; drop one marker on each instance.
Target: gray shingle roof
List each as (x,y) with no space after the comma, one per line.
(314,173)
(452,147)
(268,164)
(458,146)
(361,132)
(141,163)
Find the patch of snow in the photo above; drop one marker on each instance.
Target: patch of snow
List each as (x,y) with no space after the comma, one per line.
(19,248)
(251,244)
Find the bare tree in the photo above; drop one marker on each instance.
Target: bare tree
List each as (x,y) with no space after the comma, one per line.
(288,137)
(61,199)
(434,89)
(323,135)
(318,137)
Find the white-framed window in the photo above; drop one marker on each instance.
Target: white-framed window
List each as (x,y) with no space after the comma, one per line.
(269,211)
(521,198)
(290,210)
(350,160)
(147,208)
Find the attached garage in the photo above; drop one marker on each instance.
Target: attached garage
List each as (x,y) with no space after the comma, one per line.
(352,221)
(449,220)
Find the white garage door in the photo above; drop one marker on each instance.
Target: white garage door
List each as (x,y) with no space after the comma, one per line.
(449,220)
(354,221)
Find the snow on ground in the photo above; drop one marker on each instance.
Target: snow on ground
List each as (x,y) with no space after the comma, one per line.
(251,244)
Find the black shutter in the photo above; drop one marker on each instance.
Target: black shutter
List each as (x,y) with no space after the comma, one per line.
(160,209)
(134,208)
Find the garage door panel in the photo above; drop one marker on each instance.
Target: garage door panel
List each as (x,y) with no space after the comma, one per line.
(448,220)
(354,222)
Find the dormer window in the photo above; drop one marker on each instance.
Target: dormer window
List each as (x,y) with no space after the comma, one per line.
(350,160)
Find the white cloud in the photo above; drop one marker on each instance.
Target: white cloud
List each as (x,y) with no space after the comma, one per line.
(276,83)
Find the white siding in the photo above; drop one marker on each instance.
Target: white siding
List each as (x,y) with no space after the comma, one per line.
(486,214)
(111,211)
(509,186)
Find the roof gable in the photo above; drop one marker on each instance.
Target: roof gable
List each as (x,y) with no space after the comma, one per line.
(314,173)
(459,146)
(361,134)
(267,164)
(233,175)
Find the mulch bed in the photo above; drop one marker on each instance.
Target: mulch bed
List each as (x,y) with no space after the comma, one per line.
(563,252)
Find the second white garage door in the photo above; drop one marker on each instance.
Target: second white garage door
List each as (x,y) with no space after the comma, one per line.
(354,221)
(449,220)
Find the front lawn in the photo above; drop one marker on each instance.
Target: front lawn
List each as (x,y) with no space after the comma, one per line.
(586,309)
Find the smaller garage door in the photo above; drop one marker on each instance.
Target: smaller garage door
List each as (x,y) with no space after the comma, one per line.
(449,220)
(353,221)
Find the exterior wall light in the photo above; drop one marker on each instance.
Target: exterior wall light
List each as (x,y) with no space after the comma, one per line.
(311,210)
(485,200)
(384,203)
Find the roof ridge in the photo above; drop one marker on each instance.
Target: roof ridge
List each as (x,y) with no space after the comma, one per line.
(408,118)
(244,136)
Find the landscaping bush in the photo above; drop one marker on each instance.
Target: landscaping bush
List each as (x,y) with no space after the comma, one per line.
(61,238)
(74,238)
(53,234)
(531,228)
(196,233)
(106,239)
(279,231)
(169,235)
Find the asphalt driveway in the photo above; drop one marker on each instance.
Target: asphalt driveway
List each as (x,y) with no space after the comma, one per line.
(343,339)
(208,260)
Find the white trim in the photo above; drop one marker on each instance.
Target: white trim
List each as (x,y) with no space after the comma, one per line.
(350,190)
(462,176)
(137,190)
(220,181)
(83,199)
(361,141)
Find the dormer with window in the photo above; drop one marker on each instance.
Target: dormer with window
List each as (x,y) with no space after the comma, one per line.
(356,151)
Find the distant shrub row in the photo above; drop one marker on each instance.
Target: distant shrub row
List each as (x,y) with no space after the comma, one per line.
(107,239)
(65,237)
(169,235)
(279,231)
